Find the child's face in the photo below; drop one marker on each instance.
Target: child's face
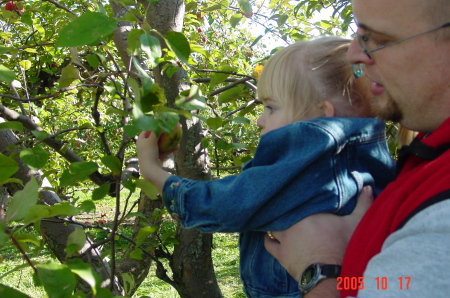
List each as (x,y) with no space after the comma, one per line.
(275,115)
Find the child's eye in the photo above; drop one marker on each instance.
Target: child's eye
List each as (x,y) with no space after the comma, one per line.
(269,108)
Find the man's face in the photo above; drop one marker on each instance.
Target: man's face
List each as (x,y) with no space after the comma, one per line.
(410,80)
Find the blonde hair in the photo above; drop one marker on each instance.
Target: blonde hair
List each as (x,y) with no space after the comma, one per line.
(307,73)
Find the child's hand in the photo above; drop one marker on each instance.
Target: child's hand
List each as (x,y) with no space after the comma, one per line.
(147,148)
(150,159)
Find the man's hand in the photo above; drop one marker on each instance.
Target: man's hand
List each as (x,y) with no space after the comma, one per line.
(319,238)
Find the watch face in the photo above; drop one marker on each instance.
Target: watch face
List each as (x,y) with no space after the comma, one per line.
(308,276)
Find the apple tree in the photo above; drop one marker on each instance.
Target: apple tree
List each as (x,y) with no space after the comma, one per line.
(80,79)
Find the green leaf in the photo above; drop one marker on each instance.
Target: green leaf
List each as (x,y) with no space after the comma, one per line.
(236,146)
(69,74)
(191,99)
(13,125)
(6,74)
(113,110)
(136,254)
(143,233)
(40,135)
(217,77)
(83,168)
(246,8)
(63,209)
(146,80)
(178,43)
(113,163)
(149,189)
(69,179)
(77,238)
(8,165)
(143,122)
(128,283)
(241,120)
(231,94)
(6,291)
(36,213)
(214,123)
(3,239)
(57,279)
(235,19)
(35,157)
(152,47)
(134,44)
(27,237)
(93,60)
(87,206)
(22,201)
(101,192)
(86,272)
(282,19)
(25,64)
(86,29)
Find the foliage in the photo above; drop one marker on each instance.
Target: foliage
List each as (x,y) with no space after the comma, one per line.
(76,106)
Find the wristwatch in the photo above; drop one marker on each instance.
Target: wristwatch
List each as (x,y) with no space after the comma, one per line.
(315,273)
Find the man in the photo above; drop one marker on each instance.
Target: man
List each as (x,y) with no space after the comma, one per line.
(401,246)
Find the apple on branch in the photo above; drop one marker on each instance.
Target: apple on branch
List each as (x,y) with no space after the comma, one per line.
(168,142)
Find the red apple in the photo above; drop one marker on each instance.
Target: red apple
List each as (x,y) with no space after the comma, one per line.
(169,141)
(12,6)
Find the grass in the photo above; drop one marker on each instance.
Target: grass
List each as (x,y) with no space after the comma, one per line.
(225,257)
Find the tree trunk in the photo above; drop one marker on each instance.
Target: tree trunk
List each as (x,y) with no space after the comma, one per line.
(192,266)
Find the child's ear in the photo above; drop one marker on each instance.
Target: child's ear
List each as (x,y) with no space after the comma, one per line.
(327,109)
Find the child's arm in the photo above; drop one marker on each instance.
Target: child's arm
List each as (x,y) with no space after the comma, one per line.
(150,160)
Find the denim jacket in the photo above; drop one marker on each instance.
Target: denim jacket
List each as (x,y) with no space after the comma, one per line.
(319,165)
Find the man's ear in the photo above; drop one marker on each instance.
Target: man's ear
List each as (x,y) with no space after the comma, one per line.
(327,109)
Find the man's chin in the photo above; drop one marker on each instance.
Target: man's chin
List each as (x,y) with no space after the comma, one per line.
(386,109)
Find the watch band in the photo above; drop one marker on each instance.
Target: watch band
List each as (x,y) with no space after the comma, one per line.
(315,273)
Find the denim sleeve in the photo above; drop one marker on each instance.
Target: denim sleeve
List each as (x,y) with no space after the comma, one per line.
(297,170)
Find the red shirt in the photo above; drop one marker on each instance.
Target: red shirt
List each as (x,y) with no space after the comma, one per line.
(419,180)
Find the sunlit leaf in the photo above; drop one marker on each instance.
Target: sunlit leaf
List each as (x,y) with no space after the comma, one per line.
(69,74)
(152,47)
(221,75)
(235,19)
(6,291)
(100,192)
(35,157)
(86,29)
(214,123)
(22,201)
(13,125)
(8,165)
(85,271)
(179,45)
(149,189)
(57,279)
(6,74)
(77,239)
(83,168)
(112,162)
(246,8)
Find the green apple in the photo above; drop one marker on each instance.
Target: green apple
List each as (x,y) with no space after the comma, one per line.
(169,141)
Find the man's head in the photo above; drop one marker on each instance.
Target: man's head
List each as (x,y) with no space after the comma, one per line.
(410,79)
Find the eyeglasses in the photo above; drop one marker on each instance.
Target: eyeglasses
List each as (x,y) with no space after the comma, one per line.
(363,39)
